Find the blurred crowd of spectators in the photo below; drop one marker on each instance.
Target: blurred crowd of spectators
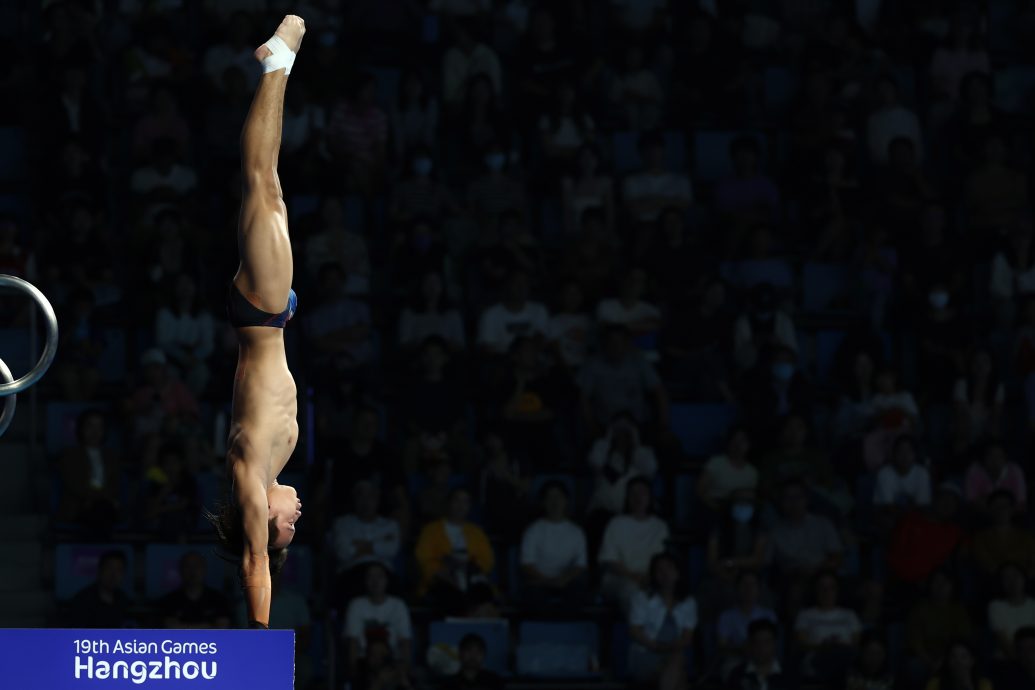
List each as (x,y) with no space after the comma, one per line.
(535,243)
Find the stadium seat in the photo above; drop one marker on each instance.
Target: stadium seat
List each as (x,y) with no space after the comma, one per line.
(779,87)
(558,649)
(210,487)
(387,79)
(620,651)
(162,567)
(496,634)
(683,500)
(12,163)
(701,427)
(300,205)
(826,287)
(712,152)
(751,272)
(298,570)
(1015,88)
(75,566)
(112,361)
(826,344)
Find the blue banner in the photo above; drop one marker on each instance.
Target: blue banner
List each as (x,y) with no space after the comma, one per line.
(39,659)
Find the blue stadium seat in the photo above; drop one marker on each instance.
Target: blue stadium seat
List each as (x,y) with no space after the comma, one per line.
(12,154)
(712,152)
(684,499)
(162,567)
(620,642)
(696,567)
(557,649)
(826,287)
(750,272)
(387,79)
(827,344)
(112,362)
(300,205)
(701,427)
(75,566)
(779,87)
(355,213)
(496,634)
(14,205)
(210,487)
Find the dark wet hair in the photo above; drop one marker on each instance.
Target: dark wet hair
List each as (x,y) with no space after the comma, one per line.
(228,522)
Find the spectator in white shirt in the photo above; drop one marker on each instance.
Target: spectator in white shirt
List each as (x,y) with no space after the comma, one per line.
(728,472)
(764,325)
(164,177)
(978,399)
(186,334)
(662,621)
(377,616)
(363,537)
(630,542)
(904,482)
(1012,612)
(654,189)
(553,554)
(430,314)
(337,242)
(801,542)
(570,327)
(466,58)
(889,121)
(828,633)
(514,316)
(618,458)
(630,310)
(735,621)
(638,92)
(339,328)
(414,117)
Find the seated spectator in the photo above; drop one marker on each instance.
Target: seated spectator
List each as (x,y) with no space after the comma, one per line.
(104,604)
(194,604)
(995,193)
(727,473)
(419,194)
(765,325)
(618,458)
(162,120)
(734,622)
(564,129)
(826,632)
(748,197)
(466,58)
(431,314)
(185,331)
(553,554)
(890,120)
(1012,273)
(629,309)
(942,334)
(872,669)
(433,498)
(505,488)
(357,133)
(482,122)
(433,407)
(652,190)
(797,457)
(171,496)
(630,542)
(332,241)
(497,191)
(620,379)
(82,342)
(903,483)
(414,116)
(363,537)
(472,674)
(570,327)
(994,472)
(90,476)
(164,177)
(453,554)
(762,668)
(978,401)
(736,543)
(960,670)
(236,49)
(339,327)
(890,413)
(935,621)
(377,617)
(588,188)
(924,540)
(1014,610)
(363,456)
(636,91)
(161,400)
(773,390)
(514,316)
(802,543)
(379,669)
(961,54)
(662,621)
(1003,541)
(1019,673)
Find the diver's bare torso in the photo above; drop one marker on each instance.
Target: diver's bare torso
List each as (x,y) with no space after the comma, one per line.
(264,424)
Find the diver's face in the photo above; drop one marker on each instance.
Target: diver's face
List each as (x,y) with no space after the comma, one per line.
(285,511)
